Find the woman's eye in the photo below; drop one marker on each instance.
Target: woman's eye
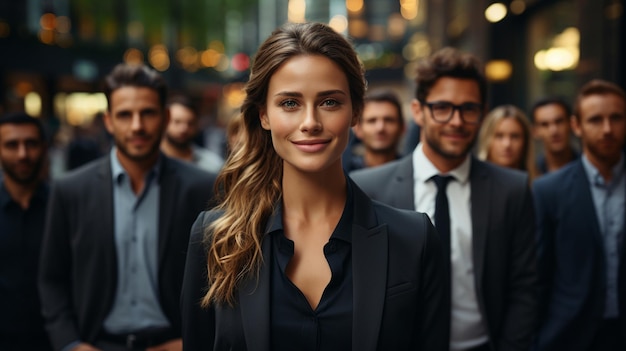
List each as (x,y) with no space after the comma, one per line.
(290,104)
(330,103)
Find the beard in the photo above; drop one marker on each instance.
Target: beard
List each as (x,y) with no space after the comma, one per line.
(152,151)
(177,142)
(24,179)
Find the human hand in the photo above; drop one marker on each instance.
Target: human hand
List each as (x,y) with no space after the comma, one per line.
(172,345)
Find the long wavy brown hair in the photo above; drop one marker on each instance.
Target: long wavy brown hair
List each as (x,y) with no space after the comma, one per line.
(250,183)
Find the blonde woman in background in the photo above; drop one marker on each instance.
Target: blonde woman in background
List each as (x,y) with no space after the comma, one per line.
(505,139)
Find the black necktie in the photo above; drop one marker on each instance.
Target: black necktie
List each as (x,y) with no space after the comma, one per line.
(442,211)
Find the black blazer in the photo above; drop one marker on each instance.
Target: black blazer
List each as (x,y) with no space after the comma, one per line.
(398,286)
(78,270)
(572,261)
(505,274)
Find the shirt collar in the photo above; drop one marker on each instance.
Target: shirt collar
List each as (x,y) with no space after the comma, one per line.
(593,174)
(5,198)
(117,171)
(40,194)
(427,170)
(343,231)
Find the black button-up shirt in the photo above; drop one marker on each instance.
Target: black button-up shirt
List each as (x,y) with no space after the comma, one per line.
(21,232)
(294,324)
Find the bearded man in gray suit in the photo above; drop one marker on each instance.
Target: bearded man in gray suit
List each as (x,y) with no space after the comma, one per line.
(487,226)
(117,231)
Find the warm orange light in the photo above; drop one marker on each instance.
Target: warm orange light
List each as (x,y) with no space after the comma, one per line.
(47,21)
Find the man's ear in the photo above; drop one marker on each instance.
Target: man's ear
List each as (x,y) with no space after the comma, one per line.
(575,123)
(357,131)
(265,121)
(108,122)
(417,112)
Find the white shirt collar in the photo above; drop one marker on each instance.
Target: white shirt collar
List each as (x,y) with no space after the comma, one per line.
(427,169)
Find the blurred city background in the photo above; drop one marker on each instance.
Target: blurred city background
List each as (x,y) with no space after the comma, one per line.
(54,53)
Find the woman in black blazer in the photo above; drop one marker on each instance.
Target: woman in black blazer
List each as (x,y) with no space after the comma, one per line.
(296,256)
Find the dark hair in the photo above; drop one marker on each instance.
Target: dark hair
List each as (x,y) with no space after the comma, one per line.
(449,62)
(183,101)
(597,87)
(23,118)
(127,75)
(386,95)
(550,100)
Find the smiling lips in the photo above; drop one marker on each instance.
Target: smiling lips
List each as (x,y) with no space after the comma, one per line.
(310,146)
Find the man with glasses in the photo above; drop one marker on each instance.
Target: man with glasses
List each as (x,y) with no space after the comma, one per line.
(483,213)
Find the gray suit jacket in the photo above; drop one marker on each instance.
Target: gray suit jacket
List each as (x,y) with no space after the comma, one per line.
(398,286)
(78,270)
(505,272)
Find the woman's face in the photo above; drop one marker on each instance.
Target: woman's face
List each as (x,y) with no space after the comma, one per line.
(309,113)
(507,146)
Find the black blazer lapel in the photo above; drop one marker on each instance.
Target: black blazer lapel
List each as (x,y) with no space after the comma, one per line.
(169,184)
(103,207)
(369,266)
(481,211)
(254,299)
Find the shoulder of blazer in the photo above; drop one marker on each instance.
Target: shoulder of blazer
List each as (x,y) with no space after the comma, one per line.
(186,171)
(402,167)
(76,178)
(556,179)
(504,178)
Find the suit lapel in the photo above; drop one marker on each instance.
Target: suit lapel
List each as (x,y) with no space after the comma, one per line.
(584,199)
(103,207)
(168,187)
(369,266)
(481,211)
(254,299)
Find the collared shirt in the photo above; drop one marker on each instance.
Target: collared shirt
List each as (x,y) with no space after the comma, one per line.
(609,200)
(294,324)
(136,305)
(21,232)
(467,326)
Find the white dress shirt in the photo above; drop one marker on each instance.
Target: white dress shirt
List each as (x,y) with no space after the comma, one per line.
(467,328)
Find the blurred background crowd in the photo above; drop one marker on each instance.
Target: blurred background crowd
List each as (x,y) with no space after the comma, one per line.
(55,53)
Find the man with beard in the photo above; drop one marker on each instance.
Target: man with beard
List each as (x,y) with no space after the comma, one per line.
(551,127)
(487,225)
(117,229)
(580,226)
(23,197)
(180,133)
(380,129)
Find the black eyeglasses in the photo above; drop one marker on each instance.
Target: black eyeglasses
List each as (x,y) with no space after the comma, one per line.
(442,111)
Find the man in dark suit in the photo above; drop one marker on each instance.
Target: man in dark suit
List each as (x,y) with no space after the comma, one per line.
(487,226)
(117,230)
(580,216)
(23,198)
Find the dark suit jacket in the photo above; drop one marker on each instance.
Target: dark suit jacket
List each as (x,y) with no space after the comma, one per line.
(397,302)
(502,239)
(78,272)
(572,261)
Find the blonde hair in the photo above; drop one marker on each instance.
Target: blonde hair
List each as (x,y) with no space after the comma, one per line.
(491,121)
(249,185)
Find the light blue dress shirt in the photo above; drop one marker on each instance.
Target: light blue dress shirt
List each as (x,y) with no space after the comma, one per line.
(609,199)
(136,305)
